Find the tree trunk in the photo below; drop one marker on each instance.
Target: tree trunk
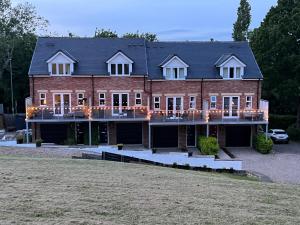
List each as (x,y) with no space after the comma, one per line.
(298,114)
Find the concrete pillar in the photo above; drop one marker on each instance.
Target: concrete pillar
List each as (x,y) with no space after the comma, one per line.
(27,135)
(207,130)
(112,133)
(149,138)
(221,135)
(90,133)
(182,137)
(146,134)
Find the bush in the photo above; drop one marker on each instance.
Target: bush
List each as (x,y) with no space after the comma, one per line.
(38,142)
(19,138)
(208,145)
(281,121)
(294,133)
(263,145)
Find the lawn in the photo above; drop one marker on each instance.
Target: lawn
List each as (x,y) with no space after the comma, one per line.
(66,191)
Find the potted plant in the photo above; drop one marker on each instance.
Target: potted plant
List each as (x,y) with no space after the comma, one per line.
(19,138)
(190,154)
(154,150)
(120,146)
(38,142)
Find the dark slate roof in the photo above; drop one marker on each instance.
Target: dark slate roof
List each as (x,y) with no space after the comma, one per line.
(92,54)
(65,53)
(222,59)
(201,57)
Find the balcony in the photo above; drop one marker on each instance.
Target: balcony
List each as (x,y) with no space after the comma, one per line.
(177,117)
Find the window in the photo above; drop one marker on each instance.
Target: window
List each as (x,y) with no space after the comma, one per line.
(248,102)
(225,72)
(138,99)
(101,99)
(213,102)
(42,99)
(192,102)
(238,72)
(80,99)
(67,70)
(126,69)
(231,72)
(156,103)
(120,69)
(113,69)
(175,73)
(61,68)
(54,68)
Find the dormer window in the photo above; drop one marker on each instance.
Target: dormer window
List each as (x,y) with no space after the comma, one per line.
(230,67)
(61,64)
(174,68)
(119,65)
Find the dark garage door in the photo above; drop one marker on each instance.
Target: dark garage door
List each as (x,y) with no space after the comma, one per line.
(129,133)
(54,133)
(165,137)
(238,136)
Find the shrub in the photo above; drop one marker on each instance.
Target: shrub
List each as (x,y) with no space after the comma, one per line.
(281,121)
(263,145)
(294,133)
(70,141)
(208,145)
(38,142)
(19,138)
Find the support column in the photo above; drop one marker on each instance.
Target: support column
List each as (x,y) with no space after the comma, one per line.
(267,128)
(27,135)
(90,133)
(149,134)
(207,130)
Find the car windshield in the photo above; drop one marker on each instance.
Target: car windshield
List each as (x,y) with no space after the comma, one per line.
(280,132)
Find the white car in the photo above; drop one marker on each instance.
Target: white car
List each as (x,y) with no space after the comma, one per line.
(278,135)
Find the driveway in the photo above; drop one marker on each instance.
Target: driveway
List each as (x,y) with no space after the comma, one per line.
(282,166)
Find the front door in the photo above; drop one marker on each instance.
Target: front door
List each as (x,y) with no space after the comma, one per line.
(191,136)
(120,102)
(61,104)
(231,106)
(174,106)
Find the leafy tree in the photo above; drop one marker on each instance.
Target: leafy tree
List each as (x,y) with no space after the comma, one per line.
(276,45)
(105,33)
(148,36)
(18,25)
(241,26)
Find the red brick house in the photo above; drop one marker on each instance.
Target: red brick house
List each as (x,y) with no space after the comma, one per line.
(130,91)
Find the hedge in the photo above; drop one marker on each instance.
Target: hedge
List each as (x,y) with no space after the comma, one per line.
(294,133)
(208,145)
(262,144)
(281,121)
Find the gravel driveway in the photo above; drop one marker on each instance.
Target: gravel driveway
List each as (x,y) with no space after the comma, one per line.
(282,166)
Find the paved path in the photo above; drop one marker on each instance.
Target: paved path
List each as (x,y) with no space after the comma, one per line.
(282,166)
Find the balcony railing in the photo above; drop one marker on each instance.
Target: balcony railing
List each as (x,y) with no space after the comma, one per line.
(178,116)
(237,115)
(66,113)
(120,113)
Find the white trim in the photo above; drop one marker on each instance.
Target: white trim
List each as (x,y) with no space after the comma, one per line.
(61,91)
(175,57)
(61,103)
(251,102)
(117,54)
(156,95)
(195,101)
(231,94)
(120,91)
(120,101)
(60,52)
(174,103)
(174,95)
(79,91)
(249,94)
(156,109)
(230,107)
(210,101)
(135,98)
(232,57)
(193,94)
(213,94)
(45,98)
(43,91)
(138,91)
(98,91)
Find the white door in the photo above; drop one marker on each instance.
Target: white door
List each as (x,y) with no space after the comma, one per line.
(174,105)
(231,106)
(119,103)
(61,104)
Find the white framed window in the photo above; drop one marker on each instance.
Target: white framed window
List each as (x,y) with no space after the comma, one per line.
(61,69)
(232,72)
(192,102)
(175,73)
(156,103)
(43,99)
(248,102)
(101,99)
(213,102)
(138,99)
(120,69)
(80,99)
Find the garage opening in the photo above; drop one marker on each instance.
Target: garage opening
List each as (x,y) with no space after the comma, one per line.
(54,133)
(129,133)
(238,136)
(165,137)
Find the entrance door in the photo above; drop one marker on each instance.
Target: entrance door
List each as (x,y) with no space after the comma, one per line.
(164,137)
(238,136)
(61,104)
(119,102)
(231,106)
(174,106)
(103,133)
(190,136)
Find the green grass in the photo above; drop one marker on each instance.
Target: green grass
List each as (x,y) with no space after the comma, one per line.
(66,191)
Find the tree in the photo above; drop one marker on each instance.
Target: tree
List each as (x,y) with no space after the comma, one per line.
(148,36)
(18,25)
(276,45)
(105,33)
(241,26)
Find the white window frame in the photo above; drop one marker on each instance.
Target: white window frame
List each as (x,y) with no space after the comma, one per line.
(172,74)
(44,99)
(250,101)
(100,98)
(174,104)
(78,98)
(156,102)
(64,69)
(234,72)
(192,102)
(136,98)
(213,101)
(230,107)
(62,103)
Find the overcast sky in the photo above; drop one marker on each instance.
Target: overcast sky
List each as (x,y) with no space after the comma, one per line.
(169,19)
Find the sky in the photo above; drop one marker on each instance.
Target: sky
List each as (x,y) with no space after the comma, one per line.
(171,20)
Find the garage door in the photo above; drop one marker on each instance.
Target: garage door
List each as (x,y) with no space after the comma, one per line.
(129,133)
(238,136)
(165,137)
(54,133)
